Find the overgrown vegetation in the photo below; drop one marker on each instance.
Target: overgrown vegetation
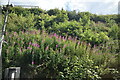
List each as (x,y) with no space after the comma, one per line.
(62,44)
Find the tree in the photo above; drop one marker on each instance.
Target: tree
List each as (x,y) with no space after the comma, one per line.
(53,11)
(85,20)
(62,17)
(72,15)
(36,11)
(20,11)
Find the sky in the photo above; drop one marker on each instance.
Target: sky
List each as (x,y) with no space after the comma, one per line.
(101,7)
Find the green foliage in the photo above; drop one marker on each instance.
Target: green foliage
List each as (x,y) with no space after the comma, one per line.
(53,12)
(36,11)
(85,33)
(20,11)
(43,21)
(51,56)
(62,17)
(79,45)
(71,28)
(72,15)
(114,31)
(18,23)
(85,20)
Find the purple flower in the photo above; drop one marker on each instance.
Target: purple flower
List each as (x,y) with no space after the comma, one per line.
(60,37)
(30,43)
(55,34)
(64,46)
(75,38)
(29,48)
(46,48)
(33,62)
(56,46)
(78,42)
(63,38)
(15,33)
(36,45)
(69,38)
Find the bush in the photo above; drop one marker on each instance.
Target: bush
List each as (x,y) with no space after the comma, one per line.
(51,56)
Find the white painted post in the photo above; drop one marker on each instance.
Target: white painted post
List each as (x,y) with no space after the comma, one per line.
(12,73)
(1,42)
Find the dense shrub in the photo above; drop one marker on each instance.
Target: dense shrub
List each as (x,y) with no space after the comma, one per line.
(51,56)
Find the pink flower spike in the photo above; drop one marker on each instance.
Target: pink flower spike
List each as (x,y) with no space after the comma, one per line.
(64,46)
(78,42)
(56,46)
(30,43)
(63,38)
(29,48)
(69,38)
(38,45)
(54,34)
(33,62)
(14,32)
(46,48)
(60,37)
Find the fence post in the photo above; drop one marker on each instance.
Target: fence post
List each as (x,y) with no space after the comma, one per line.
(12,73)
